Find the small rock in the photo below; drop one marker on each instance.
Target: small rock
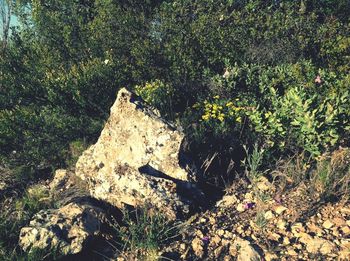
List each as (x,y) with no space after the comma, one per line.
(335,232)
(212,220)
(286,241)
(339,221)
(269,215)
(270,256)
(69,227)
(240,207)
(203,220)
(281,224)
(227,201)
(227,258)
(314,229)
(240,230)
(292,252)
(345,210)
(243,251)
(199,233)
(197,246)
(215,240)
(280,209)
(218,251)
(225,242)
(345,230)
(228,234)
(327,248)
(274,237)
(327,224)
(221,232)
(297,228)
(263,184)
(249,196)
(183,246)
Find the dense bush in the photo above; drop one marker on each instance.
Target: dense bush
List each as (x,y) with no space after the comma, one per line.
(272,73)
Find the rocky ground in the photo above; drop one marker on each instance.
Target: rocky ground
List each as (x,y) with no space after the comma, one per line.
(255,225)
(136,164)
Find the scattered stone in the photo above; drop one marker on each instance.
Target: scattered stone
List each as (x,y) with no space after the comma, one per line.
(345,210)
(269,215)
(263,184)
(227,201)
(270,256)
(243,250)
(316,245)
(218,251)
(338,221)
(297,228)
(60,179)
(197,246)
(240,207)
(221,232)
(183,246)
(281,225)
(345,230)
(286,241)
(280,209)
(327,224)
(215,240)
(228,234)
(327,248)
(292,252)
(314,229)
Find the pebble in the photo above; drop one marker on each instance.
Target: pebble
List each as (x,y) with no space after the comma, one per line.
(240,207)
(197,246)
(218,251)
(280,209)
(345,230)
(269,215)
(327,224)
(221,232)
(281,224)
(215,240)
(286,241)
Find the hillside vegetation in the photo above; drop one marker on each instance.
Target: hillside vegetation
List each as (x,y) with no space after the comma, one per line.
(260,87)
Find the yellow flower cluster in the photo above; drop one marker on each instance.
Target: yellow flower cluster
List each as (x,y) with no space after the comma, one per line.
(219,110)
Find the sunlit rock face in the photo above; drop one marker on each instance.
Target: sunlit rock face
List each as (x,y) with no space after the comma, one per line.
(136,161)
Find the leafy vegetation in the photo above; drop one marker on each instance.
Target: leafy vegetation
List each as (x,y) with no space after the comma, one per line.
(17,214)
(240,77)
(142,233)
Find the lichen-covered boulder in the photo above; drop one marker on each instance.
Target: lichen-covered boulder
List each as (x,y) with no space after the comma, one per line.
(68,229)
(136,161)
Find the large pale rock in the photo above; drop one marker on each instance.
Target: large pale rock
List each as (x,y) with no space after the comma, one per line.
(136,160)
(69,228)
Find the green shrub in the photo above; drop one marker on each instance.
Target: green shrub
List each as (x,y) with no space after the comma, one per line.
(16,213)
(331,176)
(160,95)
(143,233)
(76,149)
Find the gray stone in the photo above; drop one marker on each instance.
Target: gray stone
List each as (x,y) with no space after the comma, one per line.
(136,161)
(68,228)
